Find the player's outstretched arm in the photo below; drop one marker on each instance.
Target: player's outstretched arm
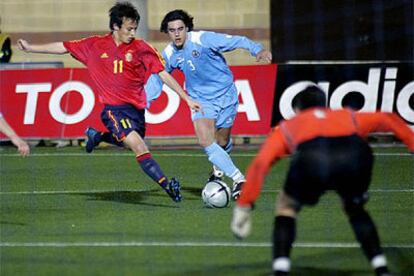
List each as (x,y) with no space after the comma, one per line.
(21,145)
(385,122)
(49,48)
(173,84)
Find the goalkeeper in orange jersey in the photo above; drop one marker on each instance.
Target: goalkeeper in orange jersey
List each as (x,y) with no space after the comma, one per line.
(328,152)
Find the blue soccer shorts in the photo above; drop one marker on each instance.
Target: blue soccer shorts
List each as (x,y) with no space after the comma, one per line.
(222,109)
(123,119)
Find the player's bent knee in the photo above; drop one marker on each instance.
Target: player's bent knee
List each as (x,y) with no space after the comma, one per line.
(353,209)
(287,206)
(204,143)
(286,212)
(355,204)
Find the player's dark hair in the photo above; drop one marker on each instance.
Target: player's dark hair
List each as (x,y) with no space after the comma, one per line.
(311,96)
(120,11)
(177,15)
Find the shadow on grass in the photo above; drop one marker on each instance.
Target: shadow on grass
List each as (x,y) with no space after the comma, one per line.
(3,222)
(130,197)
(264,269)
(317,264)
(401,259)
(258,269)
(314,271)
(400,263)
(196,192)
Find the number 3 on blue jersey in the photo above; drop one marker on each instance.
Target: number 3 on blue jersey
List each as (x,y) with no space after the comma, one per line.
(190,63)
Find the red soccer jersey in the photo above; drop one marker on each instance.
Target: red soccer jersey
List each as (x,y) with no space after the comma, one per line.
(119,72)
(313,123)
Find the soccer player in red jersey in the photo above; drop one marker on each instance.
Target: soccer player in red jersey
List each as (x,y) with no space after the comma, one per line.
(120,64)
(328,152)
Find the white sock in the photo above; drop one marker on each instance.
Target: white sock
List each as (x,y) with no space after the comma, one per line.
(237,176)
(281,264)
(378,261)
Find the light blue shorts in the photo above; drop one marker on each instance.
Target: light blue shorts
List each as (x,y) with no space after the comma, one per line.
(222,109)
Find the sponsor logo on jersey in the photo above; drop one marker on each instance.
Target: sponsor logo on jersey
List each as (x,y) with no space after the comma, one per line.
(195,53)
(104,55)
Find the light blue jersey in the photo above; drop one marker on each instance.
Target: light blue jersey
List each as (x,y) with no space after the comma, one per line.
(209,81)
(207,75)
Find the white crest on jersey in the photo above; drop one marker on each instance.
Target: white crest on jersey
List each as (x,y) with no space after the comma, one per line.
(319,114)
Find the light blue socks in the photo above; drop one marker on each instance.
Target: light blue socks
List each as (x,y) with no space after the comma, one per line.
(221,159)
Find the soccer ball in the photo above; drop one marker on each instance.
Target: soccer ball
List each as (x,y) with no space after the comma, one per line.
(216,194)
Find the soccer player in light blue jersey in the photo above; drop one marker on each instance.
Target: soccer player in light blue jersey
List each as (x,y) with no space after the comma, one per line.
(209,81)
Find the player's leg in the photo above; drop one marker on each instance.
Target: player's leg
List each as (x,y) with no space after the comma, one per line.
(205,131)
(128,125)
(223,140)
(367,235)
(95,137)
(304,185)
(148,164)
(354,196)
(226,115)
(223,137)
(284,232)
(144,158)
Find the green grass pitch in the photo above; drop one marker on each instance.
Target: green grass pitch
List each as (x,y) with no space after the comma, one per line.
(65,212)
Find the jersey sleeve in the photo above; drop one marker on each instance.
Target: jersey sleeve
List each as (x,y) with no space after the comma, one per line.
(167,55)
(80,49)
(272,150)
(385,122)
(224,42)
(153,88)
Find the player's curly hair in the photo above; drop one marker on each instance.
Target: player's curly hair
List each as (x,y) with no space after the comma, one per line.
(120,11)
(177,15)
(311,96)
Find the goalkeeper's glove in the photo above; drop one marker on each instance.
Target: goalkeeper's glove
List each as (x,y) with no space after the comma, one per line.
(241,223)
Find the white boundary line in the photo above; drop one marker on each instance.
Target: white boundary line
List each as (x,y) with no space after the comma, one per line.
(68,192)
(61,154)
(189,244)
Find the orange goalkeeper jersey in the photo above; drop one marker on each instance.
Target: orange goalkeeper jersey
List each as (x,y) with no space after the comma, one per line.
(313,123)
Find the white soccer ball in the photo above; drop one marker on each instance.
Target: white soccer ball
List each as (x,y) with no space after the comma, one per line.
(216,194)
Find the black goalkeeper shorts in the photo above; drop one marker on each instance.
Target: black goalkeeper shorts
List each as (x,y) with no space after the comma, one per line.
(342,164)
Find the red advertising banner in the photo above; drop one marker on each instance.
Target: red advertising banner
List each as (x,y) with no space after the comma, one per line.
(62,103)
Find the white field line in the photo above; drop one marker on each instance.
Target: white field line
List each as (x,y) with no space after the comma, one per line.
(190,244)
(127,153)
(51,192)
